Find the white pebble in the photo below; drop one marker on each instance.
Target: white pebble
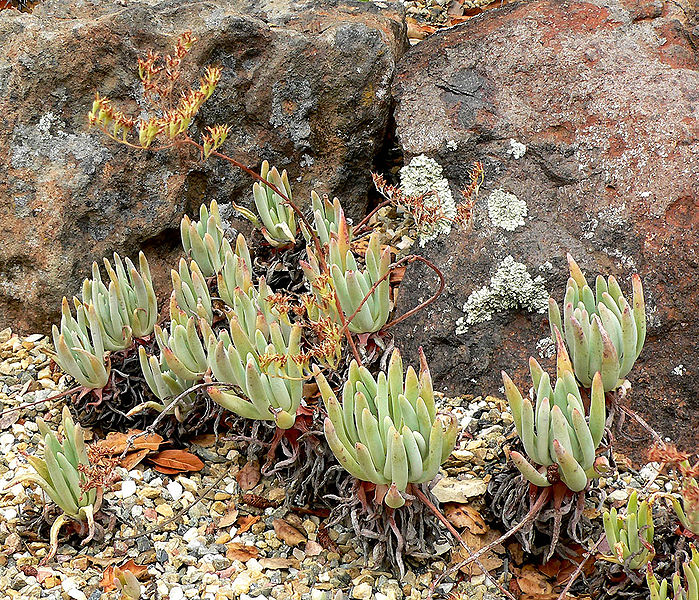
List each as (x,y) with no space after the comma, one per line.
(175,490)
(128,488)
(176,593)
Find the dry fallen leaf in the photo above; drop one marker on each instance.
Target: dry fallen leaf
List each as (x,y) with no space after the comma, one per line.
(132,459)
(240,551)
(288,534)
(228,519)
(107,581)
(533,584)
(117,442)
(249,476)
(416,31)
(490,559)
(246,522)
(463,515)
(176,461)
(206,440)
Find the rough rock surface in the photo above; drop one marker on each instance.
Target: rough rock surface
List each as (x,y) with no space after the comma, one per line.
(589,113)
(305,85)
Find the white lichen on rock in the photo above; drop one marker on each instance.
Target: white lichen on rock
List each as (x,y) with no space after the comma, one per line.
(423,175)
(506,210)
(517,149)
(511,287)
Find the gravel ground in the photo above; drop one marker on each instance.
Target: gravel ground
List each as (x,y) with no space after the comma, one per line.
(201,553)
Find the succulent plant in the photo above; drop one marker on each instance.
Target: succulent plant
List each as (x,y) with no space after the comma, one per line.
(80,347)
(556,431)
(128,307)
(203,240)
(690,591)
(182,349)
(164,384)
(386,430)
(58,473)
(236,272)
(630,538)
(603,332)
(261,356)
(688,510)
(328,218)
(278,220)
(352,284)
(191,292)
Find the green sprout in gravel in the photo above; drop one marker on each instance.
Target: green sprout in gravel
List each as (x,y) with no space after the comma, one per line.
(603,332)
(61,473)
(630,538)
(386,431)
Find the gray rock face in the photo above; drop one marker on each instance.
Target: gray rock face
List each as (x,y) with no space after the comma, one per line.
(585,116)
(305,85)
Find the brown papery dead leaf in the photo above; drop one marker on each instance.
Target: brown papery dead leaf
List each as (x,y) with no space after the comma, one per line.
(463,515)
(288,534)
(249,476)
(416,31)
(246,522)
(240,551)
(117,442)
(490,559)
(533,584)
(206,440)
(107,581)
(133,459)
(228,519)
(179,461)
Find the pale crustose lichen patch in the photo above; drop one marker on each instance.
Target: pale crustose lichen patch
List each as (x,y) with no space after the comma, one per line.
(511,287)
(506,210)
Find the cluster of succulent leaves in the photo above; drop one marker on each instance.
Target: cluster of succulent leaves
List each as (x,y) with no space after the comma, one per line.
(62,474)
(630,537)
(386,430)
(597,343)
(107,319)
(603,332)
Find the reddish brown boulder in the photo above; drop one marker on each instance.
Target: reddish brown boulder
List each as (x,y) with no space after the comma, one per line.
(587,114)
(306,88)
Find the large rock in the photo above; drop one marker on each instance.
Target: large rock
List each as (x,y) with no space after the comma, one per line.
(305,85)
(603,100)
